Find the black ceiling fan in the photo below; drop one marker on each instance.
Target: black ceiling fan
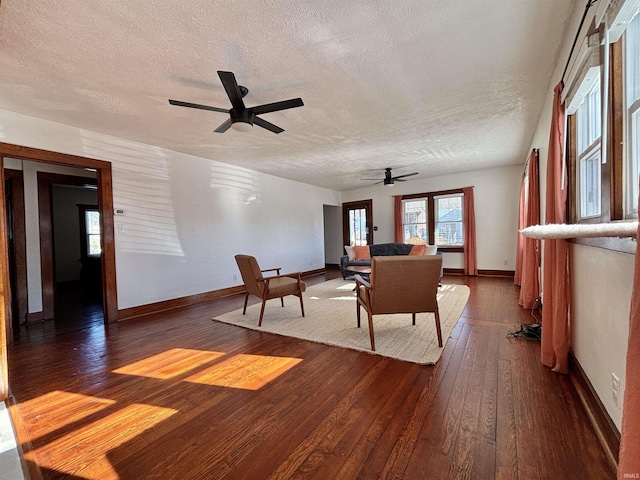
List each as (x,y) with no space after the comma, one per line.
(242,118)
(389,180)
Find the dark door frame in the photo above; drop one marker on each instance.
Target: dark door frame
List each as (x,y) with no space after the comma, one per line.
(19,296)
(368,206)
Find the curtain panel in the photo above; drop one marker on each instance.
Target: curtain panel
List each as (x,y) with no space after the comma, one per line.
(629,457)
(517,278)
(555,288)
(530,263)
(398,234)
(469,225)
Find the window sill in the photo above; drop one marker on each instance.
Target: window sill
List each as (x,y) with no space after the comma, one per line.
(617,244)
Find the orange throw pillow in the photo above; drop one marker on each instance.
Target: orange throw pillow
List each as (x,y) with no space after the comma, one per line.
(362,253)
(418,250)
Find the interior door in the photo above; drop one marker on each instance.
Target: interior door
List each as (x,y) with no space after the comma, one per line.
(357,223)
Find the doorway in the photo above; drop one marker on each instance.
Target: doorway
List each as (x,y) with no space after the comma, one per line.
(357,223)
(68,227)
(35,309)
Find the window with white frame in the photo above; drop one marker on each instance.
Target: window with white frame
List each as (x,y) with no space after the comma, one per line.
(632,115)
(448,220)
(588,150)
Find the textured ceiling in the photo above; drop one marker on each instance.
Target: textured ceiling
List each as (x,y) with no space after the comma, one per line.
(433,86)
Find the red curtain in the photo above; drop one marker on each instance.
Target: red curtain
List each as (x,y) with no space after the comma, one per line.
(469,221)
(629,457)
(398,234)
(517,278)
(555,288)
(530,276)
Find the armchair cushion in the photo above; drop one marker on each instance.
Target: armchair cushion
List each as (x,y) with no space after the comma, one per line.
(283,285)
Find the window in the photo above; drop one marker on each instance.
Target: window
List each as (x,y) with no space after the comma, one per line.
(588,141)
(448,227)
(434,218)
(632,115)
(415,221)
(604,155)
(90,231)
(92,221)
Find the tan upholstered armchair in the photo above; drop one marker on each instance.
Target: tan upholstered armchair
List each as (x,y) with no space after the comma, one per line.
(276,286)
(400,284)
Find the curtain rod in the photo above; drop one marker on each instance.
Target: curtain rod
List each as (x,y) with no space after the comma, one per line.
(575,40)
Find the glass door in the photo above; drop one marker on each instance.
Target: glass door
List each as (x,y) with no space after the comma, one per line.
(357,228)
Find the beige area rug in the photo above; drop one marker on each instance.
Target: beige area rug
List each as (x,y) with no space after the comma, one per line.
(330,318)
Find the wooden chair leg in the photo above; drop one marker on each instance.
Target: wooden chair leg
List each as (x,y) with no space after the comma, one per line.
(373,342)
(358,312)
(301,304)
(246,299)
(264,301)
(437,315)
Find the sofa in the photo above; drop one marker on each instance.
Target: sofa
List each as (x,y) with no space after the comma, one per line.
(381,249)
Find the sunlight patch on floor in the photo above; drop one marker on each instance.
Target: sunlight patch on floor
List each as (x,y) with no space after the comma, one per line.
(247,372)
(169,364)
(62,408)
(89,445)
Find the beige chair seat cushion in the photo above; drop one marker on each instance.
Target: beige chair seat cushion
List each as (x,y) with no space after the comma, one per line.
(284,286)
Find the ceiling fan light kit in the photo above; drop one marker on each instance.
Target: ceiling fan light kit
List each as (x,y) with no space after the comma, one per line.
(242,126)
(242,118)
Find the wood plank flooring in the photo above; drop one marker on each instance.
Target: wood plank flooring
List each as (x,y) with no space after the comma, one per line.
(177,396)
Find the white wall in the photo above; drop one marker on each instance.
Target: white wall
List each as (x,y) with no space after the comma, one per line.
(600,279)
(332,234)
(185,216)
(496,197)
(599,328)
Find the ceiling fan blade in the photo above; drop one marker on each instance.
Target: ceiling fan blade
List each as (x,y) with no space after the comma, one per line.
(268,125)
(274,107)
(372,179)
(224,127)
(200,107)
(405,175)
(230,85)
(378,182)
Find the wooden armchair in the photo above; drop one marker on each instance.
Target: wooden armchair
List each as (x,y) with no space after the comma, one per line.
(276,286)
(400,284)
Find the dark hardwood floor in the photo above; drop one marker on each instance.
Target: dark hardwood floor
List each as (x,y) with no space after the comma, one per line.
(177,396)
(76,308)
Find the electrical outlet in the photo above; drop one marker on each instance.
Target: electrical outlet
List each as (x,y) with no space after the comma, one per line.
(615,388)
(235,277)
(506,262)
